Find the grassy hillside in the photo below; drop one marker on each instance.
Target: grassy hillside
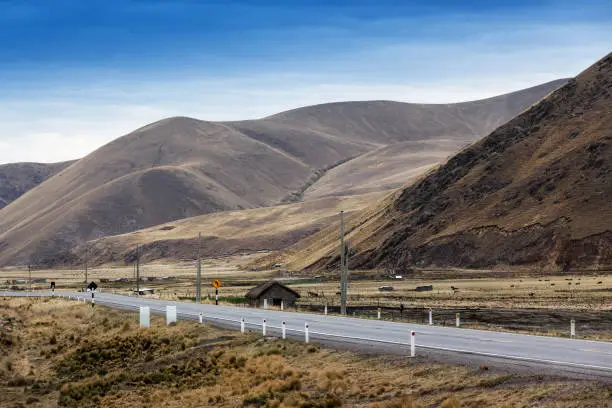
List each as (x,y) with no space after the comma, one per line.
(224,233)
(183,167)
(56,353)
(18,178)
(535,192)
(386,168)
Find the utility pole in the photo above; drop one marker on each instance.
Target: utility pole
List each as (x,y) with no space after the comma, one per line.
(199,273)
(29,278)
(343,274)
(138,269)
(86,253)
(347,247)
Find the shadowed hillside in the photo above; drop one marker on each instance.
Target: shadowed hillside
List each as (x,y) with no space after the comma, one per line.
(223,233)
(183,167)
(536,191)
(18,178)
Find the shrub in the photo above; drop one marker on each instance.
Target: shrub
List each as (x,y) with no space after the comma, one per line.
(451,402)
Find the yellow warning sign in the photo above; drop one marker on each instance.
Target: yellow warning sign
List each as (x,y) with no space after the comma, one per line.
(216,283)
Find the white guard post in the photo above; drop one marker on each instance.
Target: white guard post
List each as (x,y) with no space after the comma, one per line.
(379,313)
(145,316)
(573,328)
(200,317)
(265,303)
(457,317)
(326,310)
(282,305)
(284,331)
(306,335)
(170,315)
(242,325)
(430,317)
(412,344)
(263,327)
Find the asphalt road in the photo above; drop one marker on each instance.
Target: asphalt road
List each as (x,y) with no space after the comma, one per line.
(580,356)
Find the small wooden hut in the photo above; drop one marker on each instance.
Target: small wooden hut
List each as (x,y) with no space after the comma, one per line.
(275,293)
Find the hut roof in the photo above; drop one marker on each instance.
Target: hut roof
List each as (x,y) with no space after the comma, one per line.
(258,290)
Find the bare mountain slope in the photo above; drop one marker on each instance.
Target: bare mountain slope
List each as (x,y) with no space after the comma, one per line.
(182,167)
(406,156)
(17,178)
(385,168)
(224,233)
(386,122)
(536,191)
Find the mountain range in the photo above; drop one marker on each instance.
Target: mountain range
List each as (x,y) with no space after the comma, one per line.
(534,193)
(183,167)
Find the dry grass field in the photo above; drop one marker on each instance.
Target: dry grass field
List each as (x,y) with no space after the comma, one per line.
(58,353)
(490,300)
(451,288)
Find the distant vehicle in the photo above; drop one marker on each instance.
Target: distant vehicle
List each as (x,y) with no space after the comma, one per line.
(278,265)
(399,277)
(144,291)
(317,277)
(385,288)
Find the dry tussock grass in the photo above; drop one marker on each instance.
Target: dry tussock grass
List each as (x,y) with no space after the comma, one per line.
(65,354)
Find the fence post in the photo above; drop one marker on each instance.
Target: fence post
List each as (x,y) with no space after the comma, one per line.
(379,313)
(457,322)
(306,335)
(145,316)
(430,317)
(284,331)
(170,315)
(263,327)
(572,328)
(412,343)
(242,325)
(200,317)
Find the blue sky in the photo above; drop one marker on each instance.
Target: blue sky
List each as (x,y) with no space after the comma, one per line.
(75,75)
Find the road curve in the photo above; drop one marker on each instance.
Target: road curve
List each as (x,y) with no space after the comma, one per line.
(589,356)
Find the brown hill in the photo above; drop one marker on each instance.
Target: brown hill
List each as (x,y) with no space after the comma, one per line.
(385,168)
(536,191)
(18,178)
(224,233)
(183,167)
